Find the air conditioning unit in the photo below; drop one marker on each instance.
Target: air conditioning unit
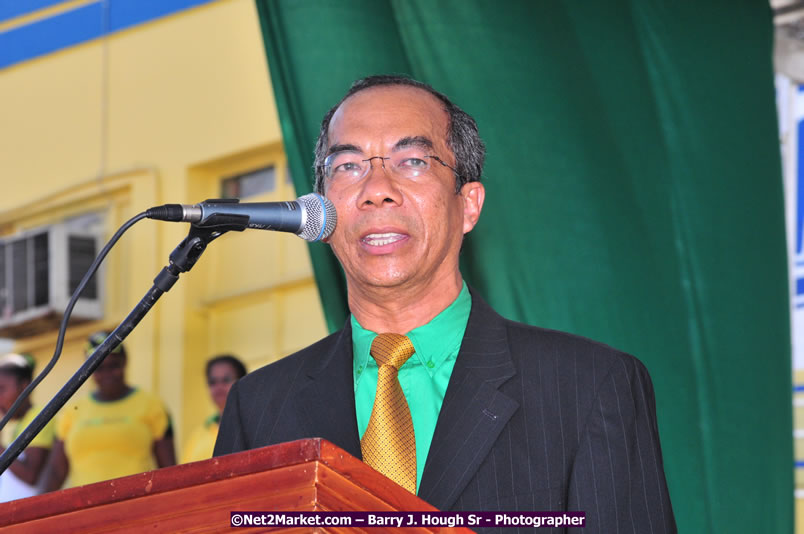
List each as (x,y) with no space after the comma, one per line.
(39,271)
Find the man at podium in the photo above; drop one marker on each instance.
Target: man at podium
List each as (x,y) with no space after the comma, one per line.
(425,382)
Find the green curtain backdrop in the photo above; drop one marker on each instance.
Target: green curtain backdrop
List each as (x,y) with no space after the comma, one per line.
(634,196)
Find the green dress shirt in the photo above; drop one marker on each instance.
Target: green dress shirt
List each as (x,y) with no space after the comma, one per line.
(424,377)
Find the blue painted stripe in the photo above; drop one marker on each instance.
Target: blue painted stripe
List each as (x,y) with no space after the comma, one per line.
(10,9)
(800,185)
(798,389)
(799,464)
(80,25)
(799,286)
(127,13)
(43,37)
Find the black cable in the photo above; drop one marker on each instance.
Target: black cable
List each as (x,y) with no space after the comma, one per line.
(67,312)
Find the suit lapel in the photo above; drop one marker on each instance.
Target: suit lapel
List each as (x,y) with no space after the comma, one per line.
(474,412)
(328,398)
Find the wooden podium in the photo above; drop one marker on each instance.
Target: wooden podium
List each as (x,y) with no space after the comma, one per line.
(304,475)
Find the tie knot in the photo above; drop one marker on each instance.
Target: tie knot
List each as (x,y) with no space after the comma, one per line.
(391,349)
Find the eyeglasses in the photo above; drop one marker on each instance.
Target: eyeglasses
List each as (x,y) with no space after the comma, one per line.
(349,166)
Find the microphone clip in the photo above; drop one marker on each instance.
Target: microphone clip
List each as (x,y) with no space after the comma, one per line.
(201,234)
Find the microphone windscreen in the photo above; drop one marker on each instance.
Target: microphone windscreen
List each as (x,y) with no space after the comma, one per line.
(320,217)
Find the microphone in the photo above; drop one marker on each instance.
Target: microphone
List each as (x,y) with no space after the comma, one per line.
(312,217)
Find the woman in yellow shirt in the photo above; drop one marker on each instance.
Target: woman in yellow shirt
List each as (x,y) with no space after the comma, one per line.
(117,430)
(22,477)
(222,371)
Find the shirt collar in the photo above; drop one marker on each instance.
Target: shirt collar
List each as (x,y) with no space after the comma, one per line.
(434,342)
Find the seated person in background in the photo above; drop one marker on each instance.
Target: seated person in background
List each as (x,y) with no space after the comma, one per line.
(117,430)
(222,371)
(22,477)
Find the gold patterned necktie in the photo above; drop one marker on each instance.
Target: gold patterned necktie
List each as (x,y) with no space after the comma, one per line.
(389,445)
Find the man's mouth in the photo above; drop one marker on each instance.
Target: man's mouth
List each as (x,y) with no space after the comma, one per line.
(379,240)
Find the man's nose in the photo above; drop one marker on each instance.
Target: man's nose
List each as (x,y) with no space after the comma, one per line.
(379,186)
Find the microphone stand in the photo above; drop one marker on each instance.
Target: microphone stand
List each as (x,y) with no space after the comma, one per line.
(182,259)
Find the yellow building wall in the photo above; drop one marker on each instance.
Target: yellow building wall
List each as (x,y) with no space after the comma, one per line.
(160,113)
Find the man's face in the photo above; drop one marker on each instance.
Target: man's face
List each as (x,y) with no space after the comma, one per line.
(394,231)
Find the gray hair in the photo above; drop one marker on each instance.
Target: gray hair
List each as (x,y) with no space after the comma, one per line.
(462,135)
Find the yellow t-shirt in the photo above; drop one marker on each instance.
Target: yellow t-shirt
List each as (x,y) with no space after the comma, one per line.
(11,487)
(201,442)
(14,428)
(106,440)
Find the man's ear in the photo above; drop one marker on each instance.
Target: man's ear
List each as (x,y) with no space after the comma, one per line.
(473,194)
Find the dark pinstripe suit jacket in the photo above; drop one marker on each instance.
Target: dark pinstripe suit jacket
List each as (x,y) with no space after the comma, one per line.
(532,419)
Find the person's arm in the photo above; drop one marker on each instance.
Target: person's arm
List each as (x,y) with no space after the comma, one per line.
(159,422)
(617,478)
(164,452)
(231,437)
(29,465)
(57,467)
